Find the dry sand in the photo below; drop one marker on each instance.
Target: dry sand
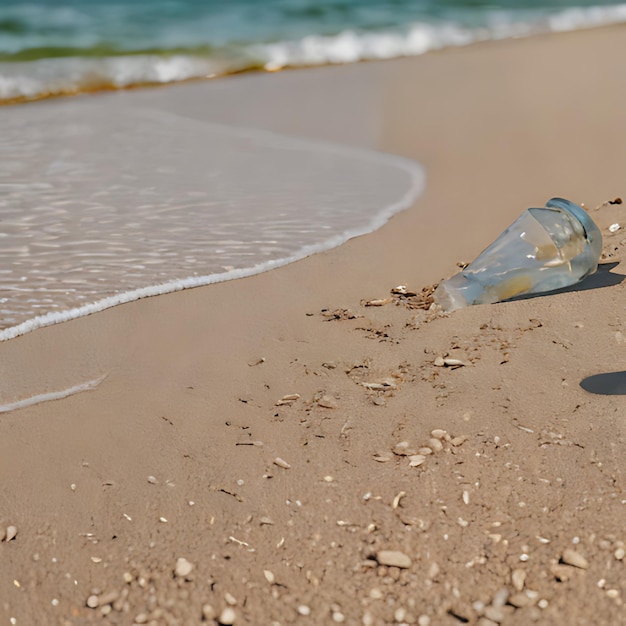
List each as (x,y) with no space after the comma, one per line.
(283,513)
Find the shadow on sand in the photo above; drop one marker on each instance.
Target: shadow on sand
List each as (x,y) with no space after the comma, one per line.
(608,384)
(603,277)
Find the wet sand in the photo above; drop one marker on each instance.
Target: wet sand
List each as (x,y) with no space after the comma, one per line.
(286,512)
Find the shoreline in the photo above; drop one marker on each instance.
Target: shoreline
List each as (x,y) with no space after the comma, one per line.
(111,87)
(194,379)
(340,186)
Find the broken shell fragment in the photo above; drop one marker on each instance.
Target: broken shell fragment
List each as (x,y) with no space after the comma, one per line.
(327,402)
(381,385)
(452,362)
(377,302)
(289,399)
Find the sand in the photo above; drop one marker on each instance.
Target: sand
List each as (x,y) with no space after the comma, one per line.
(308,511)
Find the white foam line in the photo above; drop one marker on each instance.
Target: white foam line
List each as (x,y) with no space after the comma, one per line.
(52,395)
(413,169)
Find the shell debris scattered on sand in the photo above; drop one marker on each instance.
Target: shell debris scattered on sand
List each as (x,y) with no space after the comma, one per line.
(288,400)
(281,463)
(376,302)
(381,385)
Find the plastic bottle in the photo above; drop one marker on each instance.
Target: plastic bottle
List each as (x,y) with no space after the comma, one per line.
(544,249)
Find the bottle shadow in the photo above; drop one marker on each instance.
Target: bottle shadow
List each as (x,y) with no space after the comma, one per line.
(603,277)
(607,384)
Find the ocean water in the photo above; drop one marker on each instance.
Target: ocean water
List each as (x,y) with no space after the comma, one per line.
(102,204)
(52,47)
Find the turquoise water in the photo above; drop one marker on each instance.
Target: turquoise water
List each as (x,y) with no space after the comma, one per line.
(50,47)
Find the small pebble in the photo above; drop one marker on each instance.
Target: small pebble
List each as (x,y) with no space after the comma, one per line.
(439,433)
(208,612)
(399,614)
(575,559)
(269,576)
(393,558)
(435,444)
(518,578)
(619,554)
(230,599)
(495,613)
(614,227)
(339,617)
(520,600)
(152,480)
(415,460)
(281,463)
(183,567)
(561,572)
(303,609)
(10,534)
(92,602)
(403,449)
(612,593)
(501,597)
(227,616)
(423,620)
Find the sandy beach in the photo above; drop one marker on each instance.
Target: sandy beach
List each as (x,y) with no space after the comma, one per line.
(246,458)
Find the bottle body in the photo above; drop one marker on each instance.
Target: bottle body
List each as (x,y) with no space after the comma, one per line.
(544,249)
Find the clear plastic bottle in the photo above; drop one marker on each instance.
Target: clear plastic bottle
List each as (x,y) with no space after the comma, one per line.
(544,249)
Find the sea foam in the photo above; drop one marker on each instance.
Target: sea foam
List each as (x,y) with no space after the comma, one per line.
(43,77)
